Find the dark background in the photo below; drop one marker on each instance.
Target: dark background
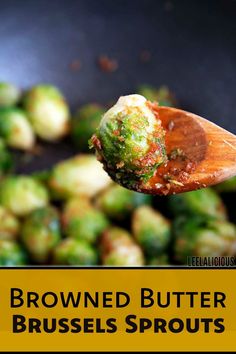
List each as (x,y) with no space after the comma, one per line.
(192,45)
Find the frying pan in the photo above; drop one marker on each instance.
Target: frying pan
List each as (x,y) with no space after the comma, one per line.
(192,50)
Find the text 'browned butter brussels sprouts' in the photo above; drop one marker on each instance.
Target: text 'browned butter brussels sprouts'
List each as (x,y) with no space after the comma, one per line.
(130,141)
(118,248)
(82,221)
(41,233)
(151,230)
(75,252)
(47,111)
(81,174)
(22,194)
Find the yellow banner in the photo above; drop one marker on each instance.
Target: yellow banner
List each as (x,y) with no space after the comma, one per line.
(117,310)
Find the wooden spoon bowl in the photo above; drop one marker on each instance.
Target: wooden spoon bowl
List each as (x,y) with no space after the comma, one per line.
(200,154)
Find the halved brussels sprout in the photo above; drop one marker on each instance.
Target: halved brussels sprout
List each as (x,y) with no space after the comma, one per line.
(82,221)
(75,252)
(206,238)
(11,254)
(118,202)
(9,94)
(202,202)
(41,233)
(162,95)
(9,225)
(81,174)
(130,141)
(161,260)
(84,124)
(151,230)
(48,112)
(16,129)
(119,249)
(22,194)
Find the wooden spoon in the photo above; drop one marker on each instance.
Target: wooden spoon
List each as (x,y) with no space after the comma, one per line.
(201,154)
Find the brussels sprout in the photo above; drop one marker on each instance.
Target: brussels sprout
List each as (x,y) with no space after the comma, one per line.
(198,237)
(6,160)
(42,176)
(22,194)
(161,260)
(82,221)
(48,112)
(227,186)
(119,249)
(75,252)
(9,225)
(81,174)
(118,202)
(41,233)
(9,94)
(16,129)
(151,230)
(205,202)
(130,141)
(11,254)
(85,123)
(162,95)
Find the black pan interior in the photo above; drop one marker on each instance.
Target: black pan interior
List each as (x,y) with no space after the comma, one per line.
(191,43)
